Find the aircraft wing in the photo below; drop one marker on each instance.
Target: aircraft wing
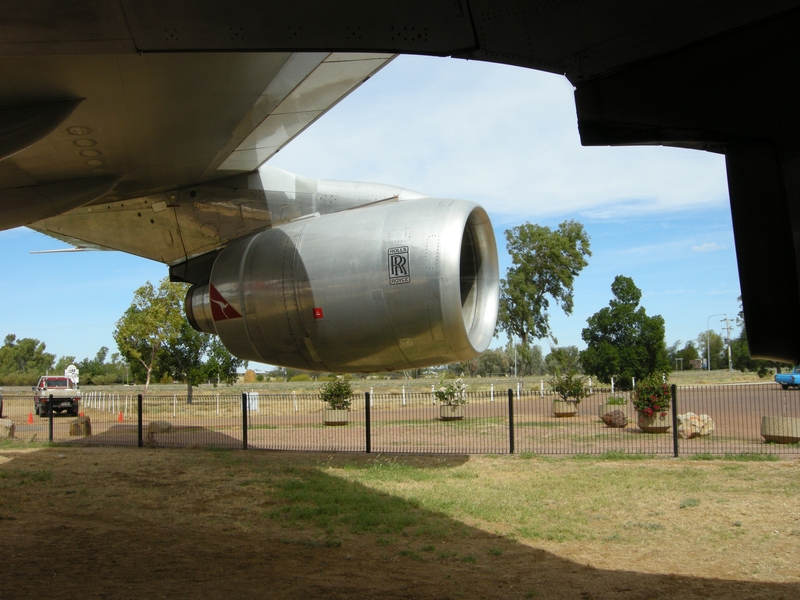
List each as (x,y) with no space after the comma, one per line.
(79,117)
(133,125)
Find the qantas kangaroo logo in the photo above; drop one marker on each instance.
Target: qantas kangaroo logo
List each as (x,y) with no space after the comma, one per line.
(221,310)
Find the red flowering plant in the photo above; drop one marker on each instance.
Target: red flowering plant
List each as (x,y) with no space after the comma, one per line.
(652,396)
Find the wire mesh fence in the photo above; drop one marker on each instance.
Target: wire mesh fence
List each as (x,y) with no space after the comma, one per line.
(728,419)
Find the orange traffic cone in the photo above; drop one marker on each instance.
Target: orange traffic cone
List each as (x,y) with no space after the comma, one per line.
(120,418)
(30,418)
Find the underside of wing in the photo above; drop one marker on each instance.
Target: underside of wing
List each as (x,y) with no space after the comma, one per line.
(110,127)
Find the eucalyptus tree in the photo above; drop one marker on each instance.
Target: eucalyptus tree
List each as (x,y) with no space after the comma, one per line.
(194,357)
(150,323)
(545,265)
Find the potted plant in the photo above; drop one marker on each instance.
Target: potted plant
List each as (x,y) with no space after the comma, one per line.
(452,398)
(571,390)
(780,430)
(338,395)
(651,399)
(614,411)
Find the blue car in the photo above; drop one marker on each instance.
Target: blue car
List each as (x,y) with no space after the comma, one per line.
(791,379)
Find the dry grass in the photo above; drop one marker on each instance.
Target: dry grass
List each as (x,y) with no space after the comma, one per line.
(224,524)
(730,519)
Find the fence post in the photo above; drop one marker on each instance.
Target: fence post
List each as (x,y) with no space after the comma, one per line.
(140,441)
(244,420)
(674,390)
(510,421)
(368,432)
(50,421)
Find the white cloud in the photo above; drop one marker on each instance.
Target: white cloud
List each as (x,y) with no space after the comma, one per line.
(708,247)
(502,136)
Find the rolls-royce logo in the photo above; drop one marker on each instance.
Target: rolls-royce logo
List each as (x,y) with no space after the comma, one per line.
(399,271)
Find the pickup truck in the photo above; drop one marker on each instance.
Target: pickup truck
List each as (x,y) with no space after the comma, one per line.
(66,397)
(791,379)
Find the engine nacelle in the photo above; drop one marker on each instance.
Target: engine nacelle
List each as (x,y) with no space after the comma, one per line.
(386,287)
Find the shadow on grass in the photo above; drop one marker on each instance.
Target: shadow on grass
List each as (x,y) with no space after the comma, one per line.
(177,437)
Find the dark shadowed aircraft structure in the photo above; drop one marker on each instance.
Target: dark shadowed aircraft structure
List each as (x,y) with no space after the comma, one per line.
(110,110)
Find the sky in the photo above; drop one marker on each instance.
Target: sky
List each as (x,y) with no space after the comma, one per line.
(502,136)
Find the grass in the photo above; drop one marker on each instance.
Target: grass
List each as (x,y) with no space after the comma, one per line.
(312,497)
(470,511)
(544,424)
(742,457)
(22,477)
(604,498)
(614,455)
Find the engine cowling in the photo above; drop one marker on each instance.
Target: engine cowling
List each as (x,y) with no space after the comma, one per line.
(390,286)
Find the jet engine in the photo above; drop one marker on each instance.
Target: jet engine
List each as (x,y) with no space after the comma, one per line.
(385,287)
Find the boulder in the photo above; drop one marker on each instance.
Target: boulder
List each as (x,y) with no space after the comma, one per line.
(7,428)
(691,425)
(159,427)
(82,426)
(615,418)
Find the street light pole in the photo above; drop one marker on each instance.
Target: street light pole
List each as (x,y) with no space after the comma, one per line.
(708,338)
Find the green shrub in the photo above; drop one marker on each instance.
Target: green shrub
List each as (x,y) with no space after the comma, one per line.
(569,386)
(337,393)
(300,377)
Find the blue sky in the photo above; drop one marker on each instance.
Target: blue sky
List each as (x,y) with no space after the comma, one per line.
(501,136)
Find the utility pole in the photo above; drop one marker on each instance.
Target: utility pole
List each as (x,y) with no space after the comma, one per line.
(728,340)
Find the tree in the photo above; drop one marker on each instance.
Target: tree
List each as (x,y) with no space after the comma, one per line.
(63,363)
(710,340)
(563,359)
(545,265)
(529,361)
(685,355)
(23,361)
(182,357)
(493,361)
(221,366)
(623,342)
(152,321)
(92,371)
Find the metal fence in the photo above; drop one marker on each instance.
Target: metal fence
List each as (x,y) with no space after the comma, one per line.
(493,423)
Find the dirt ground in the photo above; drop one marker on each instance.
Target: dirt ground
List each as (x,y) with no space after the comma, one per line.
(160,523)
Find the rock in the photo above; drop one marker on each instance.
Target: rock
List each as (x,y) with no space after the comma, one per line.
(82,426)
(691,425)
(7,428)
(615,418)
(159,427)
